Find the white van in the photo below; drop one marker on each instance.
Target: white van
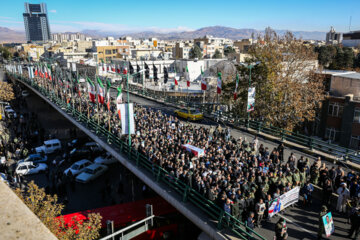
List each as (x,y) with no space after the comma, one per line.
(50,146)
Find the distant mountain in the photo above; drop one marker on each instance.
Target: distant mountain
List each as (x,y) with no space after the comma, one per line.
(8,36)
(216,31)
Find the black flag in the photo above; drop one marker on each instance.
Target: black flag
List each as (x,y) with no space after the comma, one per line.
(166,75)
(131,69)
(147,71)
(155,72)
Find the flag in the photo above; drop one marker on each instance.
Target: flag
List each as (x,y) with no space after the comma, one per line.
(118,70)
(91,90)
(236,86)
(127,118)
(77,87)
(175,79)
(36,71)
(119,101)
(166,75)
(155,70)
(113,67)
(108,85)
(203,82)
(125,71)
(100,91)
(187,77)
(131,68)
(219,83)
(147,71)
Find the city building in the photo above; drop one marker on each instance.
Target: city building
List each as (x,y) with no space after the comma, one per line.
(182,50)
(333,37)
(351,39)
(340,115)
(243,45)
(36,23)
(61,37)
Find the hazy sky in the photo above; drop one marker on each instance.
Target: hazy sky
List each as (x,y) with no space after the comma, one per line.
(168,15)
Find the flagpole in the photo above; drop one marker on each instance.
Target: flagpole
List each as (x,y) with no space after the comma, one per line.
(128,101)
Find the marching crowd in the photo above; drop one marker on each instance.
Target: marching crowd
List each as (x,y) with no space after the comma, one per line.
(241,176)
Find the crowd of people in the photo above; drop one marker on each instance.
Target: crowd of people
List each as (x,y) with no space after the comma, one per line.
(240,175)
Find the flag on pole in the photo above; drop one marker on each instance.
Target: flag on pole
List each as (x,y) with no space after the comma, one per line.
(100,91)
(127,118)
(108,85)
(77,87)
(119,101)
(203,82)
(187,77)
(219,83)
(236,86)
(91,90)
(175,79)
(36,71)
(113,68)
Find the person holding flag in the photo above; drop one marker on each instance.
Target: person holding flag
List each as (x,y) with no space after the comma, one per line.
(203,82)
(91,90)
(100,91)
(236,86)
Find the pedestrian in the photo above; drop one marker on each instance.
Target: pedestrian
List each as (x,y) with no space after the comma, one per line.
(281,230)
(260,210)
(321,228)
(250,224)
(355,224)
(344,195)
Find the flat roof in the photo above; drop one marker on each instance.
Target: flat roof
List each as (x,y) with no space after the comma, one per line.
(354,75)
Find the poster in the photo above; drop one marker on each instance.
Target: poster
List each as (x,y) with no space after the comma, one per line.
(127,118)
(251,99)
(328,224)
(284,201)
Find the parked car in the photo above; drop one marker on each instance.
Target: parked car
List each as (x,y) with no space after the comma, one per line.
(189,114)
(78,167)
(91,172)
(50,146)
(77,154)
(25,93)
(7,108)
(35,158)
(106,159)
(78,142)
(11,113)
(27,168)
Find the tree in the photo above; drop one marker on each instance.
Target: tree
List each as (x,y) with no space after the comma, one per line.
(287,90)
(228,51)
(6,92)
(217,54)
(195,52)
(5,53)
(47,209)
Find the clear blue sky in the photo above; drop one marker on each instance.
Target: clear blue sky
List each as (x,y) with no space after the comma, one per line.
(169,15)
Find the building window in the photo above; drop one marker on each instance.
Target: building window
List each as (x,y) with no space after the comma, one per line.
(357,115)
(355,142)
(335,109)
(114,51)
(332,134)
(107,52)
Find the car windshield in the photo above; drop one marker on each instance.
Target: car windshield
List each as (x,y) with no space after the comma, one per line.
(89,171)
(194,111)
(75,167)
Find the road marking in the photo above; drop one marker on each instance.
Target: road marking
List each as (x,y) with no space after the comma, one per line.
(297,225)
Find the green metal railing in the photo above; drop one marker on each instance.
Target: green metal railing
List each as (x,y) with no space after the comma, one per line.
(341,153)
(224,220)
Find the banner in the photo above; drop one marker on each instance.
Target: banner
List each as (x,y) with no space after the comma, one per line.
(284,201)
(328,224)
(198,152)
(126,112)
(251,99)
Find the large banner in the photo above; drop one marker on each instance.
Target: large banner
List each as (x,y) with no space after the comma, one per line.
(284,201)
(127,112)
(251,99)
(328,224)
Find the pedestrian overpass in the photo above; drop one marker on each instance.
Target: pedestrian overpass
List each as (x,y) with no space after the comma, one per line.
(206,215)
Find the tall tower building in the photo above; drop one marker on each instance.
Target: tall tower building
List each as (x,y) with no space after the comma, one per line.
(36,22)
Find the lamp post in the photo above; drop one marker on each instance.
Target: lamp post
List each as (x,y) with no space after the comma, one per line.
(249,66)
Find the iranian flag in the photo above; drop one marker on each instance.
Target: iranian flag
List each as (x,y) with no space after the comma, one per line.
(36,71)
(77,87)
(187,77)
(100,91)
(91,90)
(175,79)
(219,83)
(203,82)
(113,68)
(118,70)
(119,101)
(108,85)
(125,70)
(236,86)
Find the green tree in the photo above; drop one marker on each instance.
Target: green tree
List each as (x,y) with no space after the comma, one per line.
(217,54)
(6,92)
(5,53)
(195,52)
(287,90)
(48,210)
(228,51)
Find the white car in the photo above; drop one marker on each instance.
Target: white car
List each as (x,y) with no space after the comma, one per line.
(50,146)
(7,108)
(105,159)
(91,172)
(27,168)
(78,167)
(25,93)
(11,113)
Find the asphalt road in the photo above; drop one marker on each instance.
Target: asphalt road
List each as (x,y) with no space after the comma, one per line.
(302,221)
